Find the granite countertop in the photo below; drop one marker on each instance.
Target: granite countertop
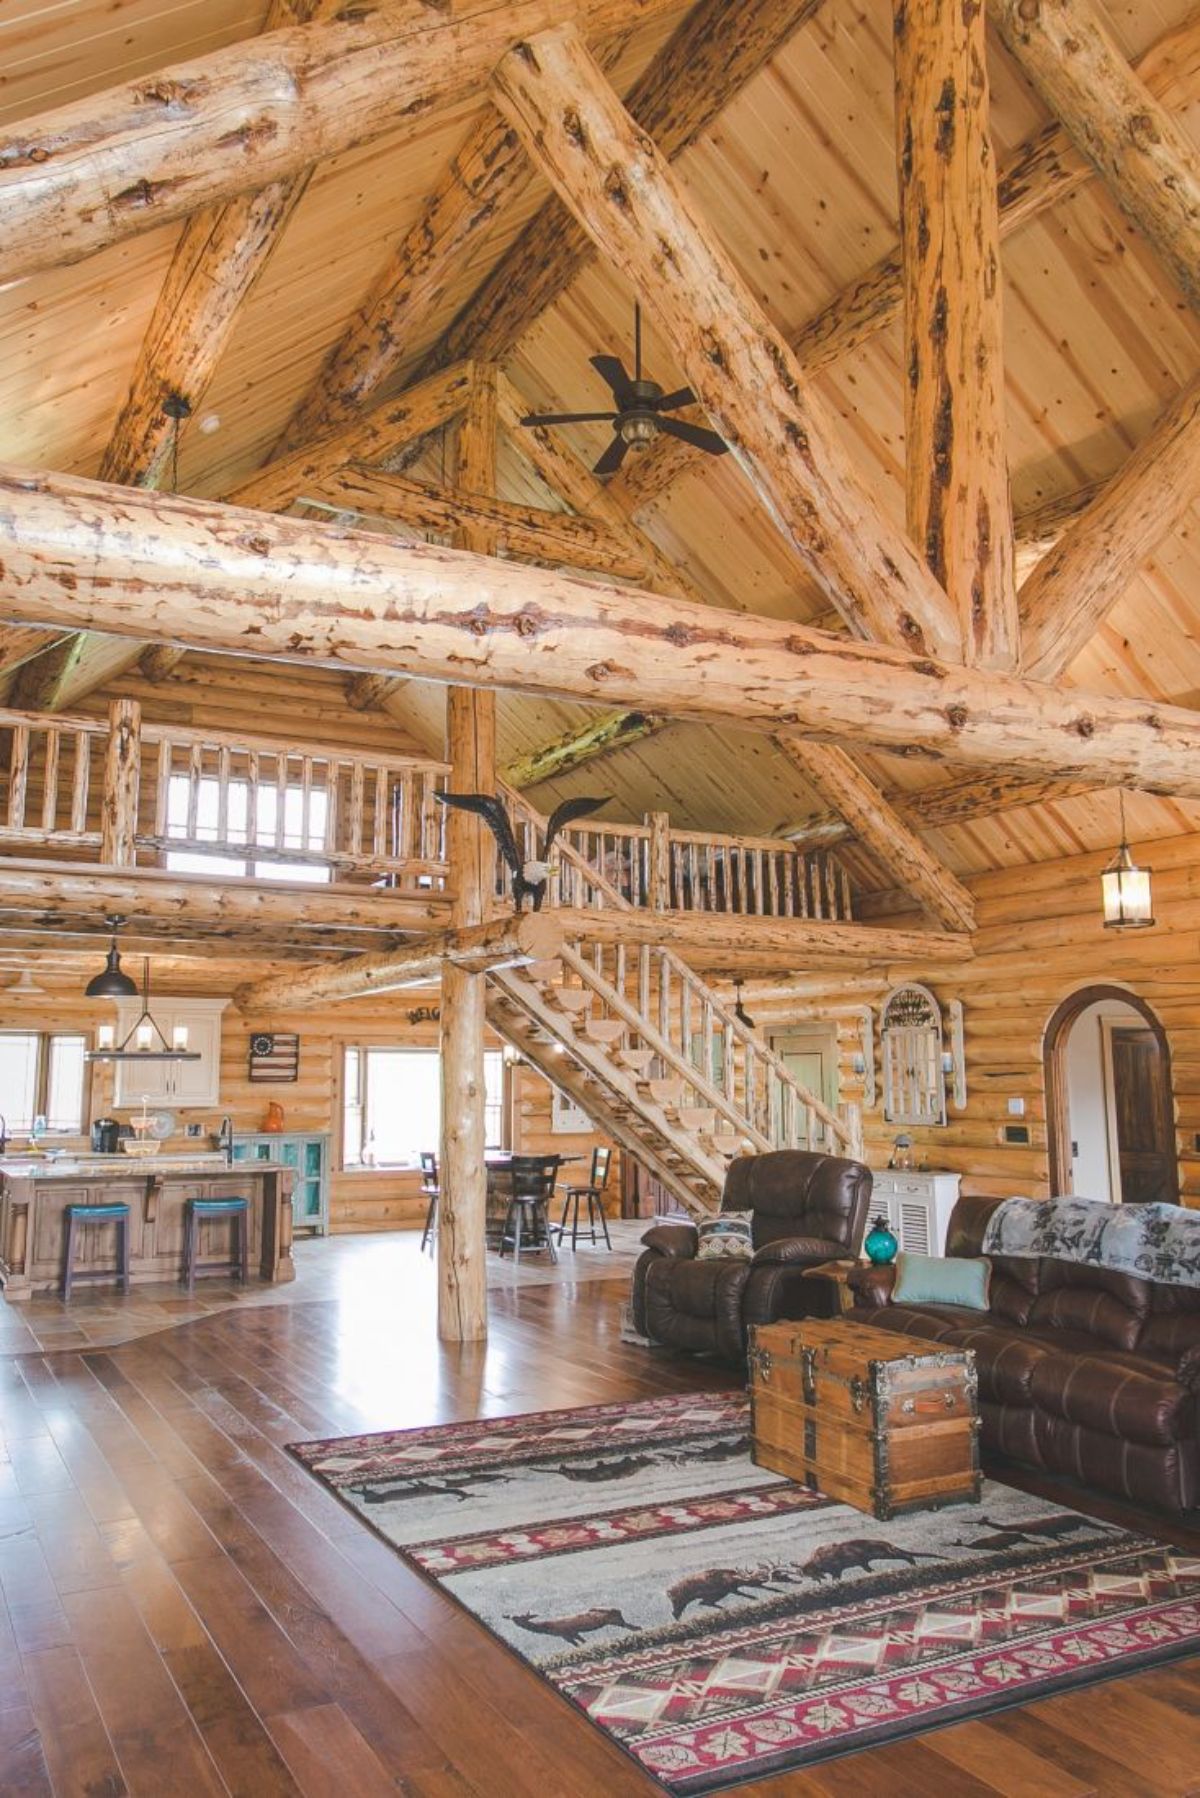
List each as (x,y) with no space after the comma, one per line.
(120,1166)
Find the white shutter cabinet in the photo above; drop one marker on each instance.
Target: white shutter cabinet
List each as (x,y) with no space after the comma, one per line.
(917,1206)
(188,1083)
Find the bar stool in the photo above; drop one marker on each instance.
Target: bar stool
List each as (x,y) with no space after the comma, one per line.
(197,1212)
(78,1216)
(527,1222)
(593,1192)
(431,1190)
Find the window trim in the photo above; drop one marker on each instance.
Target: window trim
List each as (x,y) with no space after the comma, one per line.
(41,1083)
(346,1046)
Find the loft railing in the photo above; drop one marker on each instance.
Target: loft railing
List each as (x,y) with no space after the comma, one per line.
(129,793)
(652,866)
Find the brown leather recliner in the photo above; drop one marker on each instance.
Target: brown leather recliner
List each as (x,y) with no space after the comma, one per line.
(807,1209)
(1083,1371)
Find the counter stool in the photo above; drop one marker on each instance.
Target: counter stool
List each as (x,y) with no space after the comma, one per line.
(77,1217)
(591,1194)
(198,1210)
(432,1192)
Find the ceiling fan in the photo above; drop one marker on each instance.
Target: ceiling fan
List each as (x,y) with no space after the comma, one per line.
(640,409)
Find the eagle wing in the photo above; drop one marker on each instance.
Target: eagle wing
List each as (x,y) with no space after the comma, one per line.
(495,816)
(565,814)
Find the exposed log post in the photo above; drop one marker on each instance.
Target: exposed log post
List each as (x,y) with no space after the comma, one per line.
(414,413)
(610,174)
(122,779)
(1044,171)
(658,861)
(1146,157)
(502,943)
(959,513)
(471,856)
(124,161)
(1072,589)
(165,568)
(599,736)
(843,785)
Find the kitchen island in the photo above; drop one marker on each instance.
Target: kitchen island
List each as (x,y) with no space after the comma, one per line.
(34,1194)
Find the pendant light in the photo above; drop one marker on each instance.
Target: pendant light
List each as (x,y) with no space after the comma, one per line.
(1126,889)
(144,1041)
(111,983)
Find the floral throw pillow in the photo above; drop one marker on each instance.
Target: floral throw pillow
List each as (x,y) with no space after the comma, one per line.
(726,1237)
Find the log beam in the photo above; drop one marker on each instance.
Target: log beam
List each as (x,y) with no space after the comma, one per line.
(710,937)
(553,539)
(1144,155)
(19,645)
(878,827)
(72,668)
(421,408)
(158,663)
(1076,584)
(956,464)
(369,692)
(472,949)
(1042,173)
(599,736)
(124,161)
(172,569)
(577,132)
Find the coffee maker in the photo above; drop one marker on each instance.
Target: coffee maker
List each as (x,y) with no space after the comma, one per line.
(105,1132)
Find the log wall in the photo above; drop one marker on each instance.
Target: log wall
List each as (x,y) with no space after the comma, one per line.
(1040,938)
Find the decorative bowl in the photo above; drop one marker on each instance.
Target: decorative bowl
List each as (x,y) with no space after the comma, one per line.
(140,1146)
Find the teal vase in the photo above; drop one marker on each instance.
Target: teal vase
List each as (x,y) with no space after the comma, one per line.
(881,1244)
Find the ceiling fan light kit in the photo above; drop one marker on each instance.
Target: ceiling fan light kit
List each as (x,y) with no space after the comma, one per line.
(642,410)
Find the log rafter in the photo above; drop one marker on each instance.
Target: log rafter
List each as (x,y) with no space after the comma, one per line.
(172,569)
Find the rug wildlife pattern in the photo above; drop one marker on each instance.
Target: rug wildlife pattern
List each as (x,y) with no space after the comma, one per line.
(723,1624)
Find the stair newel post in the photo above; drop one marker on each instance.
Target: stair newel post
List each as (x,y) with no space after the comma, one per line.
(644,979)
(471,855)
(122,780)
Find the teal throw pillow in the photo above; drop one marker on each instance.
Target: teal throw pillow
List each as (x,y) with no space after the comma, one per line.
(942,1280)
(726,1237)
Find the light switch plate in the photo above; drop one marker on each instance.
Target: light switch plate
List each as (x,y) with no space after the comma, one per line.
(1016,1108)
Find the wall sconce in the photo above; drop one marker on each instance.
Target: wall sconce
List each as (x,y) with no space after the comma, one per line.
(863,1059)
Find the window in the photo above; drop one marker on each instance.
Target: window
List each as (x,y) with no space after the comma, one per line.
(42,1076)
(392,1105)
(207,824)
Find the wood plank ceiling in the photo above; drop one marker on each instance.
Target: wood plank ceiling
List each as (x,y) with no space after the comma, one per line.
(798,180)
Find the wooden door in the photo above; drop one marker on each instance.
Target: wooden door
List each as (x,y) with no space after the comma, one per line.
(1144,1124)
(811,1058)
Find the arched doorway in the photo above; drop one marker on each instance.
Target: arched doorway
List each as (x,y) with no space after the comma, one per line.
(1110,1113)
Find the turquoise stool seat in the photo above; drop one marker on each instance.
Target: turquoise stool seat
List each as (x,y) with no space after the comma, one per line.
(200,1211)
(82,1217)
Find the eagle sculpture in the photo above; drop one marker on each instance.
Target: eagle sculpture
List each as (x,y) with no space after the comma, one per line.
(529,879)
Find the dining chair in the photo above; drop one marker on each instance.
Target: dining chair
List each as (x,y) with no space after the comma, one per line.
(527,1220)
(431,1191)
(592,1193)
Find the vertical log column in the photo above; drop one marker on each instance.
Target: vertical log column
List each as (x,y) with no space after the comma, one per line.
(470,852)
(959,513)
(122,780)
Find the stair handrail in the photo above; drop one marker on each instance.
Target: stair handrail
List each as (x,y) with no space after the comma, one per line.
(841,1131)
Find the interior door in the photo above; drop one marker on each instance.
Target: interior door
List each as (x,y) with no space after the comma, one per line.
(812,1059)
(1144,1127)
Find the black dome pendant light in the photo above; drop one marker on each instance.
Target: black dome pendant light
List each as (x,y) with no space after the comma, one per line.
(112,982)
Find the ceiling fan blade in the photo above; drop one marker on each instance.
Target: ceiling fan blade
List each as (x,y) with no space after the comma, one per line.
(612,372)
(612,458)
(695,435)
(568,418)
(670,402)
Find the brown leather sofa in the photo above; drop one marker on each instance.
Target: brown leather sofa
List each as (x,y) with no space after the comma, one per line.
(807,1208)
(1082,1371)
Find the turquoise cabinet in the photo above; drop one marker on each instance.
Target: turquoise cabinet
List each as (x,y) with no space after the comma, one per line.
(309,1155)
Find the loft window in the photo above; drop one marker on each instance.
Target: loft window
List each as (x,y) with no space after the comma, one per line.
(306,840)
(42,1075)
(392,1105)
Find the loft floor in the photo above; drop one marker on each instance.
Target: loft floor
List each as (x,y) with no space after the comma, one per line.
(186,1612)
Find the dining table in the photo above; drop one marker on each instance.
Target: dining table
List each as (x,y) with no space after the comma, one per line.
(499,1190)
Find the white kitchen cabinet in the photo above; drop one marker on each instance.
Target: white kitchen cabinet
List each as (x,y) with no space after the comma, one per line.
(187,1083)
(917,1206)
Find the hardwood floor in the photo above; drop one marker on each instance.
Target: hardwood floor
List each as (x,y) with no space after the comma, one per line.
(186,1612)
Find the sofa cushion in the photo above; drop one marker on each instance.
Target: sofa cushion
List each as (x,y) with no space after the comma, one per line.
(1004,1361)
(936,1323)
(1097,1300)
(1172,1331)
(1113,1394)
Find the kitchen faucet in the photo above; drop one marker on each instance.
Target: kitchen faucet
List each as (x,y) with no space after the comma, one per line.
(225,1138)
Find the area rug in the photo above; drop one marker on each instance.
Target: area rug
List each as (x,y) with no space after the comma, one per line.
(722,1624)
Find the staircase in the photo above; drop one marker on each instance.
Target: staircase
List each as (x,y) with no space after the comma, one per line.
(653,1054)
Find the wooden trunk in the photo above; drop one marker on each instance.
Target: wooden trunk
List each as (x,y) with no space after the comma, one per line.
(886,1423)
